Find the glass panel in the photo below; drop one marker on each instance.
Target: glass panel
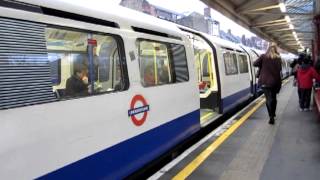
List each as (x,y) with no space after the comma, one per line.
(154,63)
(55,68)
(205,69)
(70,48)
(107,69)
(179,62)
(243,64)
(230,62)
(162,63)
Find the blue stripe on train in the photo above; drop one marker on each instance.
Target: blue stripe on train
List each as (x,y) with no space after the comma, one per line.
(235,99)
(126,157)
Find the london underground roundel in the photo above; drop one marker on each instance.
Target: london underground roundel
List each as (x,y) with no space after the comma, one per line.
(138,110)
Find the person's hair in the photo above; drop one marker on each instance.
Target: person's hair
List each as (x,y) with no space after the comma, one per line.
(307,60)
(272,52)
(149,69)
(78,68)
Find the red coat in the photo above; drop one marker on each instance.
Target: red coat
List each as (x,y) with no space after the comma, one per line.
(305,77)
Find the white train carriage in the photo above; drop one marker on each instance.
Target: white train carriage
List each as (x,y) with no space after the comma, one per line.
(142,97)
(144,78)
(224,73)
(235,73)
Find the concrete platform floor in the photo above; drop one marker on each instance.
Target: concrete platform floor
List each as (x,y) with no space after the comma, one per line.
(288,150)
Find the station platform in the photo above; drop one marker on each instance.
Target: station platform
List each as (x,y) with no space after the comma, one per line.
(252,149)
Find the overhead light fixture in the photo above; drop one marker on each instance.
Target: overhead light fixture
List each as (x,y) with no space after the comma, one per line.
(295,35)
(291,26)
(287,18)
(282,7)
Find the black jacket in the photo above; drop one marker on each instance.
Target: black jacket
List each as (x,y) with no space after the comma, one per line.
(270,72)
(76,87)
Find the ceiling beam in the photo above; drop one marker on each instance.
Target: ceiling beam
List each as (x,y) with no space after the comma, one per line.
(304,32)
(278,30)
(273,13)
(246,5)
(264,8)
(271,21)
(271,24)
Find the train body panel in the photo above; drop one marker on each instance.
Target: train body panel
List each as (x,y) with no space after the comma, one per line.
(233,72)
(70,132)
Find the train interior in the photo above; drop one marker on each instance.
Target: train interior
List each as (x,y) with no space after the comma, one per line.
(155,67)
(69,49)
(207,79)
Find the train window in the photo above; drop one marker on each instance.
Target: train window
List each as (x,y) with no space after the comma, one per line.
(243,63)
(161,63)
(230,62)
(205,69)
(43,63)
(70,55)
(70,47)
(55,68)
(107,69)
(179,63)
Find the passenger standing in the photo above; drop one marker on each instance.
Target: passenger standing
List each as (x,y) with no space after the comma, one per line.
(294,67)
(305,75)
(270,78)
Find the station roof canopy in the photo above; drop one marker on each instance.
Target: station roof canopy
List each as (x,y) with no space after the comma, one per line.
(286,22)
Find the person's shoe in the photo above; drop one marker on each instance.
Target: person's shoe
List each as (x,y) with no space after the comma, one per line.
(271,121)
(300,109)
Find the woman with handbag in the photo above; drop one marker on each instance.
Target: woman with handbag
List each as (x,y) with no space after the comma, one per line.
(270,78)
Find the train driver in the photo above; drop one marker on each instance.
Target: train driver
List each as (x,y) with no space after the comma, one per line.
(77,84)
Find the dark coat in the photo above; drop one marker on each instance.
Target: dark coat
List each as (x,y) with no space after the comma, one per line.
(76,87)
(270,72)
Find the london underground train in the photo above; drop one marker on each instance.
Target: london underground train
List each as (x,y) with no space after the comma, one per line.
(89,93)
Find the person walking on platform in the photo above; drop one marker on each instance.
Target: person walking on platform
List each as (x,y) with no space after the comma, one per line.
(305,75)
(295,66)
(270,78)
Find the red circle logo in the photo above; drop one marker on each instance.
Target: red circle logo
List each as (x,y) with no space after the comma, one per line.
(134,110)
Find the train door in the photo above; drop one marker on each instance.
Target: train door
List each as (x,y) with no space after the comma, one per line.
(207,79)
(255,57)
(245,70)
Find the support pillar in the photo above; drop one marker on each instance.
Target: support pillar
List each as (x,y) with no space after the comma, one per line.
(316,56)
(316,44)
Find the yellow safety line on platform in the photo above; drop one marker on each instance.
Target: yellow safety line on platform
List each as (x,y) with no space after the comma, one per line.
(205,116)
(209,150)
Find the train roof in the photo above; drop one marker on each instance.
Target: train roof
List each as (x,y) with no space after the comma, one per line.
(214,39)
(124,17)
